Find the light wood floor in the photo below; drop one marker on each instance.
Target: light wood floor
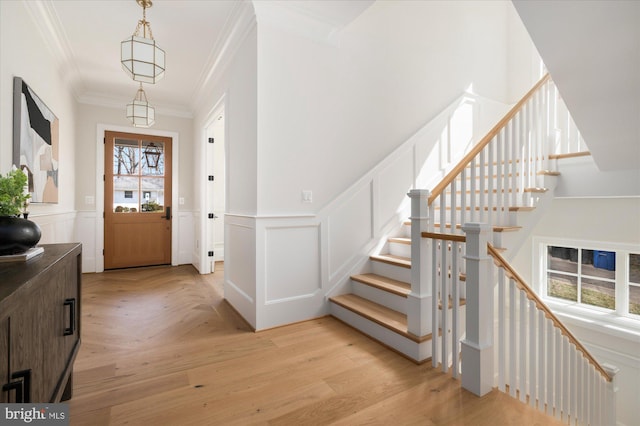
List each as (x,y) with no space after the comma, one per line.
(160,347)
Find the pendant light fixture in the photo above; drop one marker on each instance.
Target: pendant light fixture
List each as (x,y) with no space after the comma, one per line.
(139,112)
(141,57)
(152,154)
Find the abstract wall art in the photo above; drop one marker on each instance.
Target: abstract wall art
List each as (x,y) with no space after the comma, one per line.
(35,142)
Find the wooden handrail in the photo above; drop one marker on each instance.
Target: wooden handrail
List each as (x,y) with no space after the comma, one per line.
(447,237)
(485,141)
(531,295)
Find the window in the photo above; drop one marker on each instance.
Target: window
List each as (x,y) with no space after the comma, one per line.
(634,284)
(582,275)
(604,278)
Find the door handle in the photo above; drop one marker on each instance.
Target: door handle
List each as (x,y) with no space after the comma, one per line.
(71,303)
(167,213)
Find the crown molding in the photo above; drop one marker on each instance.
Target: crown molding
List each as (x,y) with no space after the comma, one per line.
(239,24)
(113,103)
(55,39)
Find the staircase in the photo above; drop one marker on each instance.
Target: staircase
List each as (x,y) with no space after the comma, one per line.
(502,181)
(378,302)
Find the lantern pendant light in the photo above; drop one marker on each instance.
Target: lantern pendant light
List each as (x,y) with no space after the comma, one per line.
(141,57)
(139,112)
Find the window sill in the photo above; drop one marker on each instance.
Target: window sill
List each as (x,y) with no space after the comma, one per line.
(600,321)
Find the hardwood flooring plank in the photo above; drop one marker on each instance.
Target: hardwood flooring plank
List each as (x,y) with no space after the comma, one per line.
(161,346)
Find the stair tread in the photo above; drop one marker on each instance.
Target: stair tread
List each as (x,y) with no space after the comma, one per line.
(390,285)
(548,173)
(392,259)
(381,315)
(400,240)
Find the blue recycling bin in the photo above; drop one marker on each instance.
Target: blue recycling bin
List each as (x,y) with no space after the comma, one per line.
(604,260)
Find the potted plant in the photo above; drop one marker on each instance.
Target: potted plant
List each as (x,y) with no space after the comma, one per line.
(17,235)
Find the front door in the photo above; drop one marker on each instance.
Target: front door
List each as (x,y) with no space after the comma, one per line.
(137,221)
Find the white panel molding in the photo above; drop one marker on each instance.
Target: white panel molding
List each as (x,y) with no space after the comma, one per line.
(240,238)
(281,256)
(186,244)
(85,233)
(364,202)
(56,227)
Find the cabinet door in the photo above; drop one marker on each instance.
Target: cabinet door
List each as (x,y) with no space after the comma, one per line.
(36,330)
(71,303)
(4,354)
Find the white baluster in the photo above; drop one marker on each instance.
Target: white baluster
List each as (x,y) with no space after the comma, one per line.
(513,346)
(455,308)
(551,366)
(474,196)
(444,298)
(559,371)
(483,176)
(523,347)
(566,377)
(502,324)
(542,361)
(533,351)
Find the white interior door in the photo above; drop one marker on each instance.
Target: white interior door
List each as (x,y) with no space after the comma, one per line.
(215,190)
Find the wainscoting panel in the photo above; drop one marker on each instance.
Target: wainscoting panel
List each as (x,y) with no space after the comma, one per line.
(394,182)
(240,268)
(292,263)
(185,237)
(350,227)
(85,232)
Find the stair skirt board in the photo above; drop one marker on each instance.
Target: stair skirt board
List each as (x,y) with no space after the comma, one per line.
(416,352)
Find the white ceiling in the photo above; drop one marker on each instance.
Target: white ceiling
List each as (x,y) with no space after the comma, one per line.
(85,36)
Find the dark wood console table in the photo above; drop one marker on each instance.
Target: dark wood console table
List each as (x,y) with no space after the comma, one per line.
(40,325)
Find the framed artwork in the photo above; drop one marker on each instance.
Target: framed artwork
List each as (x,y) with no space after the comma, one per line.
(35,142)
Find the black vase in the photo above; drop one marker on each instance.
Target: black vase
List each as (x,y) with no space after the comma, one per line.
(17,235)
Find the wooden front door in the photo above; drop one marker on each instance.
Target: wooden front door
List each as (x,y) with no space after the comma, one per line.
(137,222)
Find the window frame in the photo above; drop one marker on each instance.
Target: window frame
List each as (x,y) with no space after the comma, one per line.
(619,318)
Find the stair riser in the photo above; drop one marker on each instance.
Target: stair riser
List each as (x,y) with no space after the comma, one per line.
(501,219)
(399,249)
(390,300)
(418,352)
(391,271)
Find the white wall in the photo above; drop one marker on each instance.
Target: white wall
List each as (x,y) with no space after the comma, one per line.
(232,86)
(329,109)
(24,54)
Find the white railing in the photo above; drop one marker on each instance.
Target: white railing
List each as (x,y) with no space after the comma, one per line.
(538,359)
(528,354)
(502,172)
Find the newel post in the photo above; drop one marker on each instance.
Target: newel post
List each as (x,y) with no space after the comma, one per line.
(612,389)
(477,347)
(419,300)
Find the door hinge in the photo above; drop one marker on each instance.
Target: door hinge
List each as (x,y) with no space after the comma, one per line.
(104,141)
(103,252)
(211,178)
(210,140)
(211,253)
